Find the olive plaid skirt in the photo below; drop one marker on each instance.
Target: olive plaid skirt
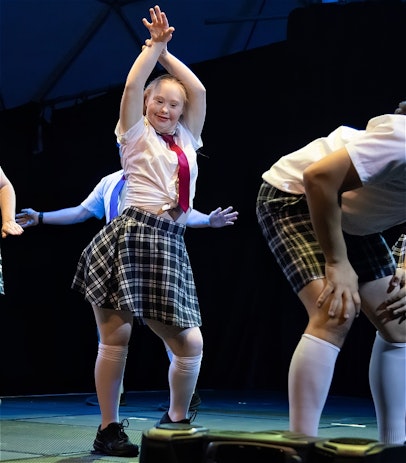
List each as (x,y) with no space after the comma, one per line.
(139,262)
(284,219)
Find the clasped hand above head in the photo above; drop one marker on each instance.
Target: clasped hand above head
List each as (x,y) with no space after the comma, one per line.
(159,26)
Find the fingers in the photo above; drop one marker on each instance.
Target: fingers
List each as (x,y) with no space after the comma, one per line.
(396,280)
(11,228)
(230,216)
(357,302)
(327,290)
(341,301)
(397,302)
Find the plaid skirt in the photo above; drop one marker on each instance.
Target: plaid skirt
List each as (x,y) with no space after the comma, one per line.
(139,262)
(285,222)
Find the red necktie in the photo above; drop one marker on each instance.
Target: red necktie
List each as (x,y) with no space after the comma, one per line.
(114,198)
(183,173)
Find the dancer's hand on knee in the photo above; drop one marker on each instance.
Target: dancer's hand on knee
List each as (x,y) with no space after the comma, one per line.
(341,286)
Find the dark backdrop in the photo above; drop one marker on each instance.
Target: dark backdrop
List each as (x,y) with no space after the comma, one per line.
(339,65)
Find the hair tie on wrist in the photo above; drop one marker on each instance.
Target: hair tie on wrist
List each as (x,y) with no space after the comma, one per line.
(40,218)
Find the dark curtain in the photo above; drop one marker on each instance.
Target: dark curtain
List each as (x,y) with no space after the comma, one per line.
(340,65)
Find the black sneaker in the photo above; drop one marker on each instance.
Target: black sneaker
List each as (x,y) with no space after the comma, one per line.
(166,419)
(194,403)
(114,441)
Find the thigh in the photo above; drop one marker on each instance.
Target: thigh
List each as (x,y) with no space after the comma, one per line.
(114,326)
(184,342)
(373,295)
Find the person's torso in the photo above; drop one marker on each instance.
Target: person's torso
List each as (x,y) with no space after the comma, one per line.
(151,168)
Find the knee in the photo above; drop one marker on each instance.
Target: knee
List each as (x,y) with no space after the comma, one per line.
(196,342)
(331,331)
(189,343)
(393,334)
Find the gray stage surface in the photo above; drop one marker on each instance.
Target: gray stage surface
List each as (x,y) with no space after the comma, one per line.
(61,428)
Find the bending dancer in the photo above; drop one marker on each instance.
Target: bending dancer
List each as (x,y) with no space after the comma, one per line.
(322,210)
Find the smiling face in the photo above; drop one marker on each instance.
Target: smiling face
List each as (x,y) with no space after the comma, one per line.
(164,104)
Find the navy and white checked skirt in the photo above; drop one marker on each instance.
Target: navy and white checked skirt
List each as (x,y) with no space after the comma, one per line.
(139,262)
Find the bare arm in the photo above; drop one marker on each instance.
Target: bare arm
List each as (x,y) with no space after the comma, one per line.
(29,217)
(132,101)
(324,183)
(7,206)
(195,114)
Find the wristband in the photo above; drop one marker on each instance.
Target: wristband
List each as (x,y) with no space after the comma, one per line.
(40,218)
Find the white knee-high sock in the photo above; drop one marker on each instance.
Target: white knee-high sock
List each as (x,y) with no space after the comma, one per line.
(387,379)
(108,373)
(183,375)
(310,374)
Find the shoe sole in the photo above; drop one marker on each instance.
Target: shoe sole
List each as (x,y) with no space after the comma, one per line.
(114,453)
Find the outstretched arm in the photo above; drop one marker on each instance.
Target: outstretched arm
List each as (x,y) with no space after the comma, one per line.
(29,217)
(216,219)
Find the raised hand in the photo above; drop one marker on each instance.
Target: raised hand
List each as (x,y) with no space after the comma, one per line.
(159,26)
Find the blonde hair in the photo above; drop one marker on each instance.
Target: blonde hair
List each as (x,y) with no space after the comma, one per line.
(164,77)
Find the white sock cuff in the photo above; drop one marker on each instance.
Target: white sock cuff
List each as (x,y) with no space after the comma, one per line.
(321,341)
(113,353)
(187,363)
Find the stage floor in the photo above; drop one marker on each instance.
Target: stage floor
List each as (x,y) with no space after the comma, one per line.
(61,428)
